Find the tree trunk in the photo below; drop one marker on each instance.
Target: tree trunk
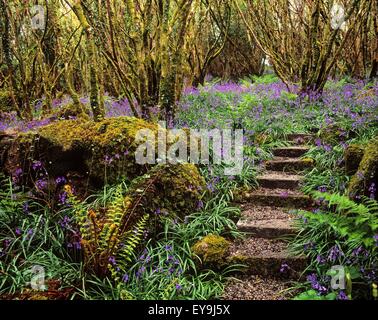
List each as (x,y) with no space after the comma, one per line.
(97,110)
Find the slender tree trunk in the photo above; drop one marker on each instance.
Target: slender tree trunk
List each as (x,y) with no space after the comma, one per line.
(10,72)
(98,111)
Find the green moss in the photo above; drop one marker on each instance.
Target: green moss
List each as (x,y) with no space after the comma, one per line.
(5,101)
(212,251)
(335,133)
(67,133)
(169,190)
(352,157)
(262,139)
(113,148)
(367,171)
(308,161)
(237,259)
(104,151)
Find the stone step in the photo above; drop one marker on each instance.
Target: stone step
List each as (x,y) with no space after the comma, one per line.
(273,179)
(276,197)
(300,138)
(291,152)
(268,229)
(254,287)
(292,165)
(267,257)
(255,212)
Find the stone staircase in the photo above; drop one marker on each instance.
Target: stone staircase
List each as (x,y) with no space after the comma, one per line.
(267,220)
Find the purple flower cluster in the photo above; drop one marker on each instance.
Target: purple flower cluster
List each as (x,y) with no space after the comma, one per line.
(41,184)
(63,197)
(25,207)
(284,267)
(65,222)
(37,165)
(325,147)
(360,251)
(342,296)
(334,253)
(309,246)
(4,249)
(109,159)
(315,284)
(74,245)
(60,181)
(376,239)
(320,259)
(322,189)
(372,190)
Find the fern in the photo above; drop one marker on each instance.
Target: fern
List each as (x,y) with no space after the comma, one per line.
(129,242)
(342,203)
(108,240)
(340,232)
(348,221)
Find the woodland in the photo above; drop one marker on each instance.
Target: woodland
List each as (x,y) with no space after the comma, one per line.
(82,219)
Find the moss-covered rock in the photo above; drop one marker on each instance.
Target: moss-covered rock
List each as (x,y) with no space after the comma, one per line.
(167,189)
(367,173)
(261,139)
(308,162)
(335,133)
(104,151)
(353,155)
(211,251)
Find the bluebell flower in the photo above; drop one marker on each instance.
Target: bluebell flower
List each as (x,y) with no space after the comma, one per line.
(284,267)
(37,165)
(315,284)
(25,207)
(112,260)
(41,184)
(376,239)
(60,181)
(334,253)
(125,278)
(320,259)
(342,296)
(322,189)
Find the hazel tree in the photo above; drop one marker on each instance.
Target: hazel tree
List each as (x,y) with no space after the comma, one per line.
(303,39)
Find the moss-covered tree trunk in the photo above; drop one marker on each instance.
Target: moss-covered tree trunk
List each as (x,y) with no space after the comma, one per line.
(98,111)
(172,53)
(49,45)
(374,64)
(9,73)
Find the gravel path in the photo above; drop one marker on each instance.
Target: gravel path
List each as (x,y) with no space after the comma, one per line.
(258,247)
(257,288)
(251,212)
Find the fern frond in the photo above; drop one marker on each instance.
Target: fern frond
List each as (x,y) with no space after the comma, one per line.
(343,204)
(132,239)
(371,204)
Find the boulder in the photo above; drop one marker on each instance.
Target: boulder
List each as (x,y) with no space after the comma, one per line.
(168,190)
(211,252)
(353,155)
(365,180)
(334,133)
(102,151)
